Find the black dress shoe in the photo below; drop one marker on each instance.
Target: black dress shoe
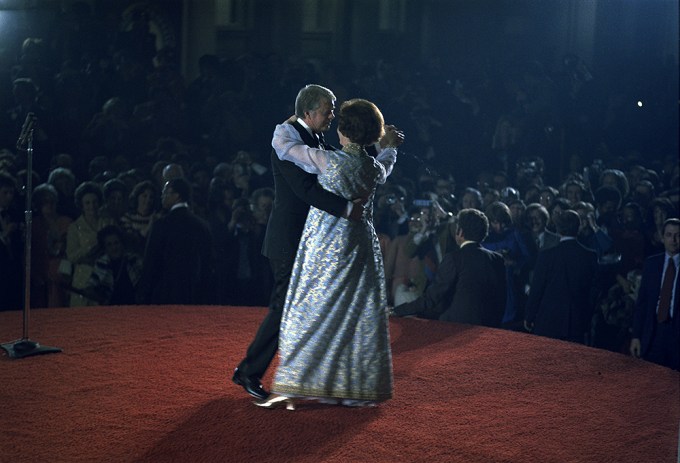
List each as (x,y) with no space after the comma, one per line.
(252,385)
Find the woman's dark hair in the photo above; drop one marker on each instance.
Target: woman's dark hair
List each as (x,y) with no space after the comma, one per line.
(216,190)
(87,187)
(361,121)
(499,212)
(540,208)
(140,188)
(41,194)
(114,185)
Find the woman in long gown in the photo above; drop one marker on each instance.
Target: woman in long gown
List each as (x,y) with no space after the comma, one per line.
(334,342)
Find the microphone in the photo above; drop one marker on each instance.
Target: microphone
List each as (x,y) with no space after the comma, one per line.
(26,130)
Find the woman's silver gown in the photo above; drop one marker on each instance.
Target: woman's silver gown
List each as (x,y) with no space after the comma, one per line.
(334,340)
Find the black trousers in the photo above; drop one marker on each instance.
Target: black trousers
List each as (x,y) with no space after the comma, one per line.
(665,346)
(266,342)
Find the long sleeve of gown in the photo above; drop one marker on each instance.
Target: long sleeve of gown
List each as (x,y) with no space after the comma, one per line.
(290,147)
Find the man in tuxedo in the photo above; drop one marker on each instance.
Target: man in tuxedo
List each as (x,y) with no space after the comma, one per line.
(656,319)
(295,190)
(469,286)
(178,266)
(563,286)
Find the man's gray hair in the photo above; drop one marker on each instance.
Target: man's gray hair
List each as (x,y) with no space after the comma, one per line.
(310,98)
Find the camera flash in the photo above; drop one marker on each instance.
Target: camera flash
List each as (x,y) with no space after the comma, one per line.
(639,103)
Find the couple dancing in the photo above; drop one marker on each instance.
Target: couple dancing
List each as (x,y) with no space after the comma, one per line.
(327,314)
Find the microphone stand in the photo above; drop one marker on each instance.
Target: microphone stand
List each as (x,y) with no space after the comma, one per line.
(25,347)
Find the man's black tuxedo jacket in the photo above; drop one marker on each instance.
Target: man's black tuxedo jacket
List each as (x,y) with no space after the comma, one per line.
(563,291)
(469,287)
(178,263)
(295,190)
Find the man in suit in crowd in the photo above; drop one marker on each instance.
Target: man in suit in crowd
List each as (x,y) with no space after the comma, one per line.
(563,287)
(178,265)
(656,320)
(295,190)
(470,285)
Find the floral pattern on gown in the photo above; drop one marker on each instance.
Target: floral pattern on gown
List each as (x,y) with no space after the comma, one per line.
(334,340)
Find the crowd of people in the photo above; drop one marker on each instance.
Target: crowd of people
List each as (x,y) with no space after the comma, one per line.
(521,142)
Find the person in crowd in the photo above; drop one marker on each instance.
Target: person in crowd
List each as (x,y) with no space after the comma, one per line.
(537,218)
(518,210)
(643,194)
(48,248)
(432,239)
(607,204)
(660,209)
(223,171)
(295,190)
(470,286)
(261,203)
(508,241)
(405,274)
(344,259)
(11,248)
(202,92)
(532,194)
(490,195)
(615,178)
(610,327)
(590,234)
(547,196)
(249,276)
(109,131)
(115,200)
(471,199)
(247,174)
(574,191)
(99,169)
(137,221)
(444,188)
(178,262)
(116,273)
(262,200)
(630,238)
(81,240)
(635,174)
(64,181)
(656,320)
(221,198)
(391,215)
(559,204)
(563,287)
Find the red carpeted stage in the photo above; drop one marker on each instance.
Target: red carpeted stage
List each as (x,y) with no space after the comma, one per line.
(151,384)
